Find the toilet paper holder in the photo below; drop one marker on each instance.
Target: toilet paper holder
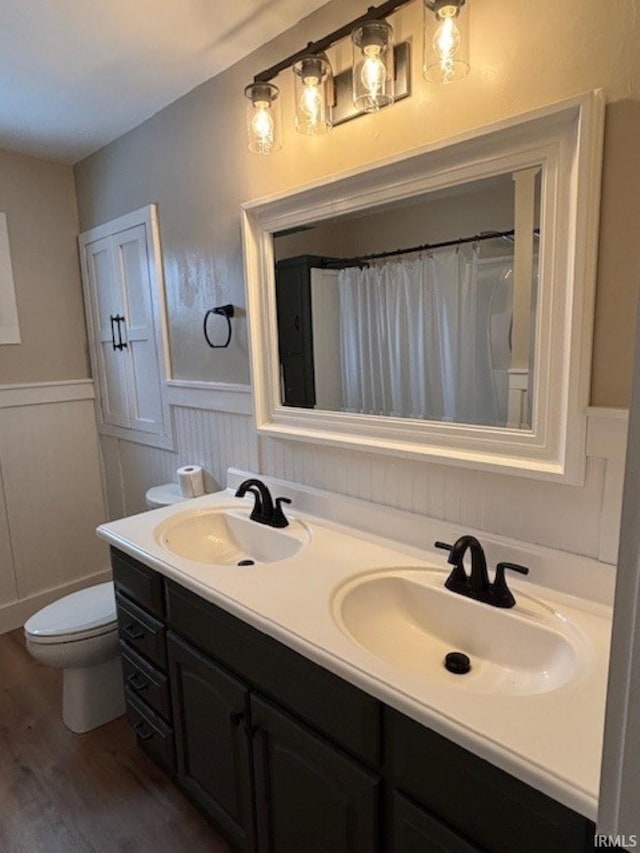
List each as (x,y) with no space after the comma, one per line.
(226,311)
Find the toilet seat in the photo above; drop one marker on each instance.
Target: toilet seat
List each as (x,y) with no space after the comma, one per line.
(79,616)
(58,639)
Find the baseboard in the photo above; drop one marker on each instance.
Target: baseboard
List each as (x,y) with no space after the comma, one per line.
(15,613)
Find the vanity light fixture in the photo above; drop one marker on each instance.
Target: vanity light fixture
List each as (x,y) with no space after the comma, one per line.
(263,117)
(373,66)
(378,78)
(446,40)
(313,91)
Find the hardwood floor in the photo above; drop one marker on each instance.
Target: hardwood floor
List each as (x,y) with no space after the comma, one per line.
(92,793)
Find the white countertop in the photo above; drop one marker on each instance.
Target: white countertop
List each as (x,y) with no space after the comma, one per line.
(552,740)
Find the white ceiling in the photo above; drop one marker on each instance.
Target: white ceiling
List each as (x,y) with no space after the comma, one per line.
(77,74)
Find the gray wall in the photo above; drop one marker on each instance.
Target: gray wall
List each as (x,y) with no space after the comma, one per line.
(191,159)
(38,198)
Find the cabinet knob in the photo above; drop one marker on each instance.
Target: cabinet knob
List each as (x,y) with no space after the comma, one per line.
(143,731)
(133,632)
(138,681)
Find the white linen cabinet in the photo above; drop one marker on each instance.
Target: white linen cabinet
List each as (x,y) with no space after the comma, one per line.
(126,319)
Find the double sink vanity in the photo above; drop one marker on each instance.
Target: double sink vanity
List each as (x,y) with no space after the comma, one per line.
(292,680)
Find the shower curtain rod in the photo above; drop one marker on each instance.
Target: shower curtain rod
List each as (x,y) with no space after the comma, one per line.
(477,238)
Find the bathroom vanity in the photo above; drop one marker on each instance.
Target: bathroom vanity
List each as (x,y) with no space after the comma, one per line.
(289,742)
(285,756)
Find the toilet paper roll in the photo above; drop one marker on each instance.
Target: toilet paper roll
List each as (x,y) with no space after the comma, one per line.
(191,481)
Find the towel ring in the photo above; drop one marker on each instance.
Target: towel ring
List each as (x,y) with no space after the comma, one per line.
(226,311)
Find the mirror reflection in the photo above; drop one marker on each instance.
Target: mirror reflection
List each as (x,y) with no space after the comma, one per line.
(423,308)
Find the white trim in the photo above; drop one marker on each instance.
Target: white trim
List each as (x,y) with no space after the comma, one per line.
(38,393)
(607,439)
(15,613)
(566,138)
(9,326)
(211,396)
(607,432)
(135,436)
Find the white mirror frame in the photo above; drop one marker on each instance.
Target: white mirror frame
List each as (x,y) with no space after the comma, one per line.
(566,139)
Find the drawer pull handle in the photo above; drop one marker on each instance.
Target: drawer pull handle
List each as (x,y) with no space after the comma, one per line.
(138,681)
(133,632)
(143,731)
(237,717)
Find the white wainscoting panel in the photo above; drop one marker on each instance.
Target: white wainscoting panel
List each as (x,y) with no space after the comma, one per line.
(212,396)
(214,440)
(51,496)
(53,493)
(143,466)
(579,519)
(8,585)
(563,517)
(112,477)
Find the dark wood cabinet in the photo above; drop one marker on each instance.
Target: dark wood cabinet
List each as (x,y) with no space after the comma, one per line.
(286,757)
(414,830)
(485,804)
(210,709)
(309,796)
(295,329)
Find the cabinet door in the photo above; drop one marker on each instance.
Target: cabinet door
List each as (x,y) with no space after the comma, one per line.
(416,831)
(212,747)
(309,796)
(107,299)
(131,258)
(295,338)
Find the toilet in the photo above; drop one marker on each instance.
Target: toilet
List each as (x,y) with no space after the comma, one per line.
(79,635)
(164,495)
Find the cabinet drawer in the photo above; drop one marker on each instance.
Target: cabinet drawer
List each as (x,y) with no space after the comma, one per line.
(416,831)
(146,681)
(154,736)
(486,805)
(138,582)
(351,718)
(141,631)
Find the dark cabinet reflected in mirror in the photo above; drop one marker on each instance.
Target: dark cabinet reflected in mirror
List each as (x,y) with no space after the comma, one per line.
(423,308)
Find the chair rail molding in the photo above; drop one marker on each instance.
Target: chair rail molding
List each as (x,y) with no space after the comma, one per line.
(38,393)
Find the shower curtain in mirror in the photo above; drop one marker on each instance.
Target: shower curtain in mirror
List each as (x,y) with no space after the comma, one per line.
(427,338)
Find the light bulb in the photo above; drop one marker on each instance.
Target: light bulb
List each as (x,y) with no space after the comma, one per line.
(446,41)
(374,72)
(263,126)
(311,100)
(312,87)
(372,79)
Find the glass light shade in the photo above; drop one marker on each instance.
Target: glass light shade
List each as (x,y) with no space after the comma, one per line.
(373,66)
(446,40)
(313,91)
(263,118)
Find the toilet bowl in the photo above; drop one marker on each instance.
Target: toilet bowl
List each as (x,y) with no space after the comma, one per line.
(79,634)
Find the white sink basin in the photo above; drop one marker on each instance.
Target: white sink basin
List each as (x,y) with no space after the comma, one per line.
(228,537)
(407,618)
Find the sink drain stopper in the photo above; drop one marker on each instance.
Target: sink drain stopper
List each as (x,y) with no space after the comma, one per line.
(458,663)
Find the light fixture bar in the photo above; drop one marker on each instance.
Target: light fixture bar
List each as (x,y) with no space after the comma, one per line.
(373,13)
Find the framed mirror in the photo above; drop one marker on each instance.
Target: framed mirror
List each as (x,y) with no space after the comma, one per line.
(439,304)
